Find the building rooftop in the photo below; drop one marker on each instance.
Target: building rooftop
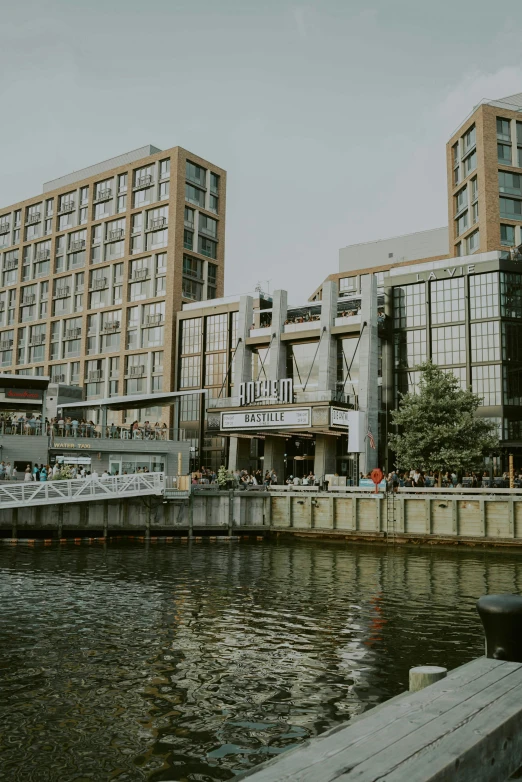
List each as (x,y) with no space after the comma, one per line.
(99,168)
(509,103)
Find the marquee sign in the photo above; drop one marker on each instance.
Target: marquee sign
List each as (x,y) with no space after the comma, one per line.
(25,394)
(455,271)
(274,391)
(339,417)
(72,445)
(261,419)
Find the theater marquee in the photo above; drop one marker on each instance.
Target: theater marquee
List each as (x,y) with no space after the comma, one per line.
(278,418)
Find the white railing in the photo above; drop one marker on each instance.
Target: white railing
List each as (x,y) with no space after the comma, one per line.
(13,494)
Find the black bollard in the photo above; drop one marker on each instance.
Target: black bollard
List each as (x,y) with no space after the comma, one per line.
(501,616)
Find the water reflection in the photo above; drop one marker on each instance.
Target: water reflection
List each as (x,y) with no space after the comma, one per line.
(178,663)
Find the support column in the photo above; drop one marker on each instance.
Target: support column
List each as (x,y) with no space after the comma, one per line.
(239,453)
(105,518)
(368,371)
(325,453)
(277,359)
(275,456)
(14,528)
(60,521)
(327,355)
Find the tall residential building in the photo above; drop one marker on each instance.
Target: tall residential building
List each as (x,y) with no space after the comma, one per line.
(95,269)
(484,160)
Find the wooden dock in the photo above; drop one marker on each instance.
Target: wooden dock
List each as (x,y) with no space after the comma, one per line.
(466,727)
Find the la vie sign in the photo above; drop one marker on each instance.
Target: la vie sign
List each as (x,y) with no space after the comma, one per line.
(456,271)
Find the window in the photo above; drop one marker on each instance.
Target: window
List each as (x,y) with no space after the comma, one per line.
(207,247)
(473,241)
(448,345)
(485,381)
(121,204)
(447,300)
(510,295)
(188,240)
(196,174)
(510,208)
(192,290)
(510,183)
(213,203)
(192,267)
(84,195)
(103,209)
(474,188)
(214,183)
(504,154)
(455,154)
(122,183)
(483,294)
(409,305)
(475,213)
(461,199)
(164,190)
(83,215)
(458,249)
(157,239)
(462,223)
(217,332)
(161,263)
(190,371)
(507,235)
(208,226)
(485,341)
(469,139)
(143,197)
(211,273)
(215,368)
(410,348)
(164,169)
(470,163)
(143,176)
(139,291)
(503,129)
(191,335)
(194,196)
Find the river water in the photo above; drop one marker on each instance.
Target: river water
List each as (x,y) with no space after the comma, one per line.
(177,662)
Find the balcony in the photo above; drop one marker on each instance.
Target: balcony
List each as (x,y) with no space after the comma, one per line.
(103,195)
(72,333)
(153,320)
(28,300)
(137,371)
(33,217)
(99,284)
(66,206)
(114,432)
(6,344)
(94,376)
(10,265)
(115,235)
(264,331)
(37,339)
(57,378)
(111,328)
(62,293)
(4,228)
(210,233)
(156,223)
(139,274)
(143,181)
(77,245)
(42,255)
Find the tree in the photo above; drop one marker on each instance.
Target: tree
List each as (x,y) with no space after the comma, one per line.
(438,426)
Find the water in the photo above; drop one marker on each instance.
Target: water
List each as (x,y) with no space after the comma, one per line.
(194,663)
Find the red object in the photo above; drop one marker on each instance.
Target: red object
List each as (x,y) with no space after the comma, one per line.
(376,476)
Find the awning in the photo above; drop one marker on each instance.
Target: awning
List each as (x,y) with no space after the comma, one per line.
(132,402)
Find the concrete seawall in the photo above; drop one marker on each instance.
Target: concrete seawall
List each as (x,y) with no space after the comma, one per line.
(491,517)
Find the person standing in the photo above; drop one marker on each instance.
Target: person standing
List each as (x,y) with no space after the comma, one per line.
(36,473)
(8,471)
(28,476)
(14,475)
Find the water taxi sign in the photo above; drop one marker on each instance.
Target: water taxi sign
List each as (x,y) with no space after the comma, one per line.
(264,418)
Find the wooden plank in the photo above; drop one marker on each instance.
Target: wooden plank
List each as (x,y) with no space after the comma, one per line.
(324,758)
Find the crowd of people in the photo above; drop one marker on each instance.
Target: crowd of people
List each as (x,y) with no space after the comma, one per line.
(44,472)
(71,426)
(449,479)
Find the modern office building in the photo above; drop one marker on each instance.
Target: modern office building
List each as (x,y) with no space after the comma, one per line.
(95,268)
(484,161)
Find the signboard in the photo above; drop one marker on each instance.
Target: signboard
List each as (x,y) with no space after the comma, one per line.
(265,418)
(369,482)
(274,391)
(71,445)
(339,417)
(25,394)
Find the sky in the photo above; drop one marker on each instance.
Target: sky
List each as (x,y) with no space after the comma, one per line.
(330,117)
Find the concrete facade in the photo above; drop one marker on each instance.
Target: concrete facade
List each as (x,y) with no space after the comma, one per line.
(396,249)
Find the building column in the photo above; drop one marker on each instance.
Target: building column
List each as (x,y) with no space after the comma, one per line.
(368,370)
(239,453)
(325,453)
(275,457)
(277,359)
(327,354)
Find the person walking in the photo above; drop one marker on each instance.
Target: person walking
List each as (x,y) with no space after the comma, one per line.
(43,474)
(14,475)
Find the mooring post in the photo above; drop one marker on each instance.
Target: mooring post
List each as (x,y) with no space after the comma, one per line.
(424,675)
(190,513)
(230,511)
(501,616)
(147,523)
(14,529)
(60,521)
(105,518)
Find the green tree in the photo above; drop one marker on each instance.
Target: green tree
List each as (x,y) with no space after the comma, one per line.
(438,426)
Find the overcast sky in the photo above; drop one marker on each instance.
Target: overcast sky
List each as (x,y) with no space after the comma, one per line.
(330,116)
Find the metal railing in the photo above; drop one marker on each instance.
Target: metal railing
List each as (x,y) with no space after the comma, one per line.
(81,430)
(52,492)
(23,428)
